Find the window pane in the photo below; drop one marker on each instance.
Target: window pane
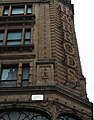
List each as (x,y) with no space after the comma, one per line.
(1,36)
(13,42)
(8,83)
(23,115)
(18,10)
(66,118)
(14,36)
(1,42)
(29,10)
(27,42)
(9,74)
(6,11)
(27,35)
(25,74)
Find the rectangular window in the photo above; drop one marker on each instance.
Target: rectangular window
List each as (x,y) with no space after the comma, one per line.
(14,37)
(1,37)
(9,76)
(9,73)
(18,10)
(6,10)
(29,9)
(27,36)
(25,72)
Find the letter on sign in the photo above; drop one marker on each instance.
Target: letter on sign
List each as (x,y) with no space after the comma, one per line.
(37,97)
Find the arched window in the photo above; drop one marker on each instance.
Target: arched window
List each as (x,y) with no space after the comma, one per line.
(24,115)
(67,117)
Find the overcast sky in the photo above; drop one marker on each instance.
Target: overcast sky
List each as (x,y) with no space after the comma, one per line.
(84,27)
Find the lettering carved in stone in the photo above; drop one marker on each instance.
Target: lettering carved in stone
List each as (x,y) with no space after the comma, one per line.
(45,73)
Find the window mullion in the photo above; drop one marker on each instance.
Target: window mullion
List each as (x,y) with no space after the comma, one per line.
(5,37)
(19,75)
(25,9)
(10,8)
(1,10)
(0,69)
(23,36)
(30,75)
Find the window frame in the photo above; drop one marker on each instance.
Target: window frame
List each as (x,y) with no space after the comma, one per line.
(27,10)
(11,66)
(25,36)
(6,8)
(16,8)
(11,73)
(8,82)
(28,68)
(29,7)
(1,40)
(21,39)
(13,40)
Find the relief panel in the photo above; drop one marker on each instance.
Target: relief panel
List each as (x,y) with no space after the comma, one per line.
(45,73)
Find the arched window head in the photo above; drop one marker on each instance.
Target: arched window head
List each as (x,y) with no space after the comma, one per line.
(67,117)
(23,115)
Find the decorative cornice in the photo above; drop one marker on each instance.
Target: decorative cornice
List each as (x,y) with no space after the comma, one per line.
(19,19)
(23,1)
(45,89)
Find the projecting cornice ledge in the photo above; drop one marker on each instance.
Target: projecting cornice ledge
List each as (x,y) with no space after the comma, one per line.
(16,20)
(17,48)
(45,90)
(23,1)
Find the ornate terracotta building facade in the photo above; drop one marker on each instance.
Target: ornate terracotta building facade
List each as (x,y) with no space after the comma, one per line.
(40,71)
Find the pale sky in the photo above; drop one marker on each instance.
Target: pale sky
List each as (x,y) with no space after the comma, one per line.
(84,27)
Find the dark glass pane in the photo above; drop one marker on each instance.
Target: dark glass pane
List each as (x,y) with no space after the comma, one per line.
(18,10)
(27,35)
(1,36)
(9,74)
(25,74)
(25,83)
(8,83)
(1,43)
(66,118)
(29,10)
(22,115)
(6,11)
(27,42)
(13,42)
(14,36)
